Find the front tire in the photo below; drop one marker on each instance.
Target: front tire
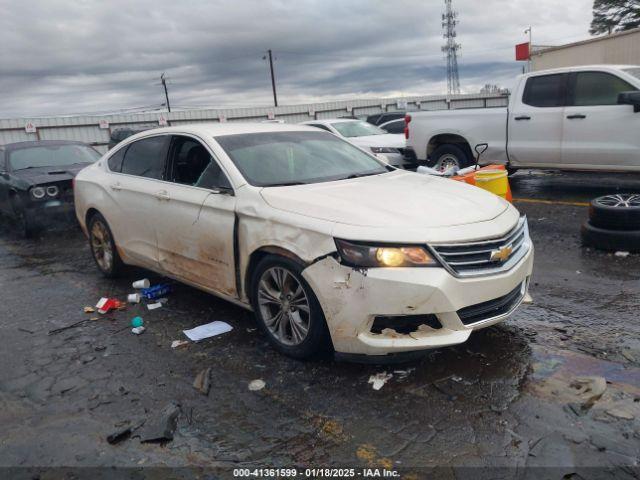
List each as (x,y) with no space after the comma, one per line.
(26,225)
(103,247)
(450,155)
(287,310)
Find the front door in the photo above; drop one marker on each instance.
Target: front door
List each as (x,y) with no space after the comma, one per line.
(195,222)
(599,133)
(535,122)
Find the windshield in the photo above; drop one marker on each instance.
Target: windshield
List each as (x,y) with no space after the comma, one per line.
(51,156)
(633,71)
(292,158)
(357,129)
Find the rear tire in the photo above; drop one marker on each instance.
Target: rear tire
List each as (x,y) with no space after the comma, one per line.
(103,247)
(449,155)
(616,212)
(610,240)
(287,310)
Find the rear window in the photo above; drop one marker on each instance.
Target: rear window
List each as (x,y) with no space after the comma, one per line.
(396,126)
(633,71)
(545,91)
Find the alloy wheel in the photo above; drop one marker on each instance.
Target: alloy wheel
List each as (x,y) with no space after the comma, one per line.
(620,200)
(447,161)
(101,245)
(284,306)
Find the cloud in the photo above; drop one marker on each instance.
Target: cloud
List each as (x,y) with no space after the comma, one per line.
(61,57)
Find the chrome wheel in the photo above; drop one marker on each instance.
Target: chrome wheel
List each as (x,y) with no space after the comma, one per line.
(101,246)
(446,161)
(620,200)
(284,306)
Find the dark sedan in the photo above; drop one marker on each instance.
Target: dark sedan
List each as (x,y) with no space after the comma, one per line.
(36,180)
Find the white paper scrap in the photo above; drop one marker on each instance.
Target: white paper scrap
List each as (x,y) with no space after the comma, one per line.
(209,330)
(153,306)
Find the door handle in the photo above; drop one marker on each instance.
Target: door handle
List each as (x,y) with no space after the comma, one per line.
(523,117)
(116,187)
(576,116)
(162,195)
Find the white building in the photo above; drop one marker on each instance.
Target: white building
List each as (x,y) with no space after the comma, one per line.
(621,48)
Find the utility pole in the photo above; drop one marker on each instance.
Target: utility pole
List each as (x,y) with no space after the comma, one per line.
(166,94)
(528,30)
(273,78)
(450,49)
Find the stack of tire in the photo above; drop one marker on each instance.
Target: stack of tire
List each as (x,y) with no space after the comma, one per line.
(614,223)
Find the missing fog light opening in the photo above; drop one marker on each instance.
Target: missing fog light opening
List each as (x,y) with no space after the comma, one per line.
(404,324)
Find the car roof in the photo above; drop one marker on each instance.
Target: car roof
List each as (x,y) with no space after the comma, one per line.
(400,119)
(41,143)
(328,121)
(220,129)
(580,68)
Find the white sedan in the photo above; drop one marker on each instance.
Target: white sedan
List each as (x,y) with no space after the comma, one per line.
(389,147)
(330,247)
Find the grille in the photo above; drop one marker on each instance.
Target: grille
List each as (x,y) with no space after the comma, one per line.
(405,324)
(488,256)
(493,308)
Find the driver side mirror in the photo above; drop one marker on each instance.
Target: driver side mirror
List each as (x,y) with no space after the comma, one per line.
(630,98)
(4,174)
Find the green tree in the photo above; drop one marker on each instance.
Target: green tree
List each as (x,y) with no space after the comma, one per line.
(614,16)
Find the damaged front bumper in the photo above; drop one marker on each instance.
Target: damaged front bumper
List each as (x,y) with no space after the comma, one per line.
(433,307)
(50,212)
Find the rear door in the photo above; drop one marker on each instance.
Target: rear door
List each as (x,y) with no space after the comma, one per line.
(197,218)
(137,188)
(599,133)
(536,121)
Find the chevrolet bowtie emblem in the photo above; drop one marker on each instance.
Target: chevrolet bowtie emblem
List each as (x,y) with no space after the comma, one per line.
(502,254)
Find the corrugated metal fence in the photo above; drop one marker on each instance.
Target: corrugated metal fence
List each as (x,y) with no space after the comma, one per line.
(96,130)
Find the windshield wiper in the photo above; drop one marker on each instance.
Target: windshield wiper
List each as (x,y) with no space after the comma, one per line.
(285,184)
(364,174)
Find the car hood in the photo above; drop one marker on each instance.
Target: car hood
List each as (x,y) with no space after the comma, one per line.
(392,140)
(396,199)
(40,175)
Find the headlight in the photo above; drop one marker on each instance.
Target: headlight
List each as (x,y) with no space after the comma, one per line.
(52,191)
(384,150)
(38,193)
(360,255)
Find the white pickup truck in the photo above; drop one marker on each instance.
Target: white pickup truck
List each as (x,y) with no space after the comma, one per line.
(578,118)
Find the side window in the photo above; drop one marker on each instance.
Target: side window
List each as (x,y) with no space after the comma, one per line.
(320,126)
(598,88)
(146,158)
(396,126)
(545,91)
(115,160)
(191,164)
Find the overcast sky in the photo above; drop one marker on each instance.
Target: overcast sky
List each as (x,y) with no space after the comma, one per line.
(61,57)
